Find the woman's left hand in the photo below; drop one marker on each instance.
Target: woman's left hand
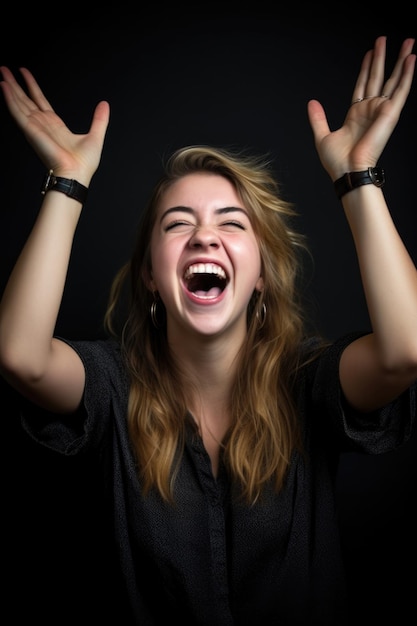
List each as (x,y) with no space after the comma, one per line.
(372,116)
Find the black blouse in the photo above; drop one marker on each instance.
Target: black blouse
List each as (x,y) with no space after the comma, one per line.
(210,560)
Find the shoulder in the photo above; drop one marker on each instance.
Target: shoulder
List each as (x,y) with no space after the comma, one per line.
(102,359)
(318,364)
(316,351)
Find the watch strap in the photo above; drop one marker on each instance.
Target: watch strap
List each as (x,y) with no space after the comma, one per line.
(352,180)
(69,186)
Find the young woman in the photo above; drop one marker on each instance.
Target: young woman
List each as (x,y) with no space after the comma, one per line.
(216,421)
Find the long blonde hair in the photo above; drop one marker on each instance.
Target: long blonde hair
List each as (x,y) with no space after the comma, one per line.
(264,430)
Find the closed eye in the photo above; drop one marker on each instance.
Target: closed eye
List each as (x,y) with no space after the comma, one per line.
(184,225)
(233,224)
(178,224)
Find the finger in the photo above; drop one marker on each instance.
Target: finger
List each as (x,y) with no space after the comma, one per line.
(100,120)
(393,81)
(376,73)
(318,120)
(361,82)
(401,91)
(19,103)
(35,91)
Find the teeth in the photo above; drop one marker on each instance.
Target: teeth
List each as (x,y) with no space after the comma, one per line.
(204,268)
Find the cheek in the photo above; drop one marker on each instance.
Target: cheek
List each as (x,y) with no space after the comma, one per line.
(158,273)
(157,263)
(250,257)
(164,263)
(248,265)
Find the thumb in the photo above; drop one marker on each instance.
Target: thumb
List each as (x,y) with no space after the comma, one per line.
(318,120)
(100,120)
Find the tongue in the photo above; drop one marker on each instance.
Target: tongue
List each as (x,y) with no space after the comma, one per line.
(211,293)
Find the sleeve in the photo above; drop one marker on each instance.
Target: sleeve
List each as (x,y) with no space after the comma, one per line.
(104,399)
(375,432)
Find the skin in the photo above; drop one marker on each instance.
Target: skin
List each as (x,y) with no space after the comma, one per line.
(193,227)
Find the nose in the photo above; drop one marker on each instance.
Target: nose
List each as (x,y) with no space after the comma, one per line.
(204,237)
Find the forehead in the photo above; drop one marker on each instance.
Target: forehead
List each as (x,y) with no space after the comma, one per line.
(200,190)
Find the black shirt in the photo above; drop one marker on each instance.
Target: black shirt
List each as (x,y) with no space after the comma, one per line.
(210,560)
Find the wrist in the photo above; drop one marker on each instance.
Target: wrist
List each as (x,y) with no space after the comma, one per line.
(353,180)
(69,186)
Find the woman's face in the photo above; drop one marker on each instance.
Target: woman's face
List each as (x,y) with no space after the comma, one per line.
(205,257)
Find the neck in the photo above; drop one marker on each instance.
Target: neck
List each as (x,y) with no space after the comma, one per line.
(209,366)
(209,361)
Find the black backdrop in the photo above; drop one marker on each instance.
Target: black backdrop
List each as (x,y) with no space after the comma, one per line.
(225,78)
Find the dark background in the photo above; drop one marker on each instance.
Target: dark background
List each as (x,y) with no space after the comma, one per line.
(228,78)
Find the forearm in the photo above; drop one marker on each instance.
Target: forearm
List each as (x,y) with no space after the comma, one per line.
(389,278)
(30,304)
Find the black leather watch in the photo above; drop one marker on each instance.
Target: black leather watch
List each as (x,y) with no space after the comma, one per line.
(70,187)
(352,180)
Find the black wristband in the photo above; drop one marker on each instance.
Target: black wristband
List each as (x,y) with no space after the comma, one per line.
(70,187)
(352,180)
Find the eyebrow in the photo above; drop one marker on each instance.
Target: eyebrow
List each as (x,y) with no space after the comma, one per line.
(190,211)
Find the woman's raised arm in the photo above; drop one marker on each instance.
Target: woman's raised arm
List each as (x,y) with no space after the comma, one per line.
(378,367)
(45,369)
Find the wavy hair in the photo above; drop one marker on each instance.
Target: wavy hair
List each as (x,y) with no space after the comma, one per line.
(264,428)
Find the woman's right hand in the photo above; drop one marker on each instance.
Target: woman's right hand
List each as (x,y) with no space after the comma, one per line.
(68,154)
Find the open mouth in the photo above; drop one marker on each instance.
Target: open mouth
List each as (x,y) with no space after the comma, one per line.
(205,280)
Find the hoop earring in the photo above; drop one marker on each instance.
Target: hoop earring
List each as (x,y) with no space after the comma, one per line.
(261,315)
(153,314)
